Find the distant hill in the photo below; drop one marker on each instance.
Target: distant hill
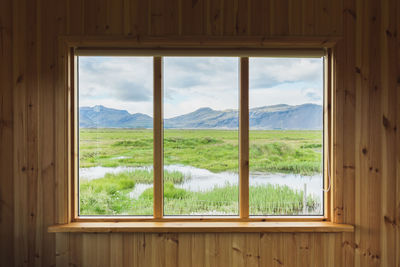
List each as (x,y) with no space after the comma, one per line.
(301,117)
(102,117)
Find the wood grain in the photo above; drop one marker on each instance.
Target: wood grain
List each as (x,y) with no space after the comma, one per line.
(158,195)
(6,135)
(244,138)
(206,227)
(366,101)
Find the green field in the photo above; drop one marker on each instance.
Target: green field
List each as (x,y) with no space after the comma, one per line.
(272,151)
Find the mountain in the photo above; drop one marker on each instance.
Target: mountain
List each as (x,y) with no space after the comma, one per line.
(301,117)
(102,117)
(204,118)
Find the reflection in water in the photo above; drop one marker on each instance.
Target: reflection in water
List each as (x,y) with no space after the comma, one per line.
(203,180)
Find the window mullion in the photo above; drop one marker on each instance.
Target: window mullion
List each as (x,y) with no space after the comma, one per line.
(244,138)
(158,139)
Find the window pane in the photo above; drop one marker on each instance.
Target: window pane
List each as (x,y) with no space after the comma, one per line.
(286,136)
(200,136)
(115,135)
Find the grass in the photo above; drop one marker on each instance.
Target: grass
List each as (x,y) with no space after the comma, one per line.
(274,151)
(146,176)
(110,196)
(215,150)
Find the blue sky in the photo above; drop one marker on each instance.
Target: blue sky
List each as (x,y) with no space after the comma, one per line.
(192,83)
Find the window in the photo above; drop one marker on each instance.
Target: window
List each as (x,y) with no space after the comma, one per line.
(201,134)
(115,135)
(286,136)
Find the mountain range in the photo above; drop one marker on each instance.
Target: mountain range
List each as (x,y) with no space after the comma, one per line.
(300,117)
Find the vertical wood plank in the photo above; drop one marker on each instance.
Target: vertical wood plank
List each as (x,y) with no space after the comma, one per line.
(56,145)
(252,256)
(229,17)
(35,236)
(142,247)
(361,142)
(267,248)
(76,17)
(346,105)
(303,249)
(238,247)
(53,22)
(317,256)
(89,249)
(103,17)
(146,241)
(197,250)
(397,190)
(308,17)
(295,17)
(375,127)
(21,157)
(76,250)
(288,249)
(211,253)
(115,17)
(103,250)
(259,25)
(129,252)
(158,138)
(322,17)
(389,103)
(224,249)
(193,17)
(137,23)
(215,17)
(6,135)
(94,16)
(117,250)
(242,18)
(244,139)
(164,17)
(157,249)
(62,250)
(185,250)
(171,250)
(279,17)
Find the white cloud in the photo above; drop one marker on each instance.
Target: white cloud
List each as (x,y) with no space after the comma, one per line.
(269,72)
(192,83)
(120,81)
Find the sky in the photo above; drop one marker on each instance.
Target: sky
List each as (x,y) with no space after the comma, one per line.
(194,82)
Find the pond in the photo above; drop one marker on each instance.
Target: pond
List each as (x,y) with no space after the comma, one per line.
(203,180)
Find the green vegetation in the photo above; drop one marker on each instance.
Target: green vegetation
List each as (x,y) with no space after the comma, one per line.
(146,176)
(270,151)
(277,151)
(110,196)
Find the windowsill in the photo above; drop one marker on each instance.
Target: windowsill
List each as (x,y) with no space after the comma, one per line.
(214,227)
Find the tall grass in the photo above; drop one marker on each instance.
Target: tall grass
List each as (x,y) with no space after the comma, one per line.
(110,196)
(146,176)
(297,152)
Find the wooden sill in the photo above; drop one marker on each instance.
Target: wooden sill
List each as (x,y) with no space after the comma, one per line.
(207,227)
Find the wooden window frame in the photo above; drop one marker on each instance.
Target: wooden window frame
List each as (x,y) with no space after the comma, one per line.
(243,48)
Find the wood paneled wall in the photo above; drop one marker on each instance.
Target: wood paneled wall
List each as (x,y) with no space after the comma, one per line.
(367,143)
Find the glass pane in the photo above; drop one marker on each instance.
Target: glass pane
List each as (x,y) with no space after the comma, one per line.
(200,136)
(286,136)
(115,135)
